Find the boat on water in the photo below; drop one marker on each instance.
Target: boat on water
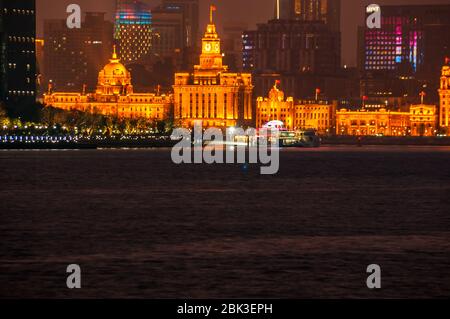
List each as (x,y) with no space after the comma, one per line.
(285,138)
(297,138)
(306,138)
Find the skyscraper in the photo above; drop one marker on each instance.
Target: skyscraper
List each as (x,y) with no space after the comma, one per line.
(133,30)
(73,56)
(190,9)
(17,52)
(327,11)
(304,56)
(301,47)
(232,44)
(168,32)
(411,45)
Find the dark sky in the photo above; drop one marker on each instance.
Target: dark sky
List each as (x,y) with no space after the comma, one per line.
(240,11)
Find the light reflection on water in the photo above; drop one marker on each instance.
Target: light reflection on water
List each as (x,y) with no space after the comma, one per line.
(141,226)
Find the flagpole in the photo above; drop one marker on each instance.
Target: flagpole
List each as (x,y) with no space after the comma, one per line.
(278,9)
(210,14)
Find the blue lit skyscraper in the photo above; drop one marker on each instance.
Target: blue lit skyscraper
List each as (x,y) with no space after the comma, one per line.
(133,30)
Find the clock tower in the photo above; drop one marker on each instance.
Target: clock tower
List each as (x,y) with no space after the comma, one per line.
(211,94)
(444,94)
(211,57)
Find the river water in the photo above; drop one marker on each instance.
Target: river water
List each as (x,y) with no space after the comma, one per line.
(140,226)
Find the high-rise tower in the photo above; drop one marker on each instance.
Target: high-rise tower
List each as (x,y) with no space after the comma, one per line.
(74,56)
(17,52)
(190,10)
(133,30)
(327,11)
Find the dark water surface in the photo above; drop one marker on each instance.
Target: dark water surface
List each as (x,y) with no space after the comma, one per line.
(140,226)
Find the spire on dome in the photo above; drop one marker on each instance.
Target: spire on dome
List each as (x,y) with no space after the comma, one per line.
(114,52)
(114,58)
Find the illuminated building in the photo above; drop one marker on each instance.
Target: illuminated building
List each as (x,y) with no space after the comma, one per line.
(299,46)
(405,54)
(133,30)
(17,52)
(114,96)
(275,108)
(39,67)
(444,94)
(381,122)
(211,93)
(420,120)
(248,50)
(423,120)
(72,57)
(326,11)
(300,115)
(318,116)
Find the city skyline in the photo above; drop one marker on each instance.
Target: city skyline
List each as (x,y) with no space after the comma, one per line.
(251,164)
(352,15)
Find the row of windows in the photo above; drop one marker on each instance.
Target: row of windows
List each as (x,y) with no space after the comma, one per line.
(142,109)
(310,116)
(19,93)
(422,119)
(19,11)
(304,123)
(21,39)
(76,99)
(381,63)
(383,57)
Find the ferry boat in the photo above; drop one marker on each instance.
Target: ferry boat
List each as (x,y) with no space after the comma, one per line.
(298,138)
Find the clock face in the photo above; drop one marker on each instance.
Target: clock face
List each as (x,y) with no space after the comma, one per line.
(216,47)
(207,47)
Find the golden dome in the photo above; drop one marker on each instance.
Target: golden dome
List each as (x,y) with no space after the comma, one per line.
(114,73)
(114,78)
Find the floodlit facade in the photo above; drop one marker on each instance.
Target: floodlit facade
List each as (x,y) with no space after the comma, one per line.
(363,123)
(275,108)
(114,96)
(421,120)
(211,94)
(444,94)
(300,115)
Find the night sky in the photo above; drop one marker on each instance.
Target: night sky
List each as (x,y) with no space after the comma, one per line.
(239,11)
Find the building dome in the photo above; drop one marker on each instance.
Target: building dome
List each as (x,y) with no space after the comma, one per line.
(114,78)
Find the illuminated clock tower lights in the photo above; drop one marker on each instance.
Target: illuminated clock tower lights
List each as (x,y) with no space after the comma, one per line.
(444,94)
(211,57)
